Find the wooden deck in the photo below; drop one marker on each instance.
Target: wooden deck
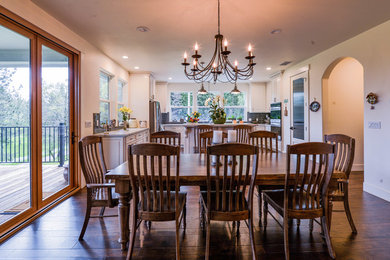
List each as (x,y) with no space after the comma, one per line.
(15,186)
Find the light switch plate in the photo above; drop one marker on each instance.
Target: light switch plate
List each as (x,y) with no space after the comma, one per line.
(374,125)
(88,124)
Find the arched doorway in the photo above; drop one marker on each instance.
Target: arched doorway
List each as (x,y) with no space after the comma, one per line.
(343,103)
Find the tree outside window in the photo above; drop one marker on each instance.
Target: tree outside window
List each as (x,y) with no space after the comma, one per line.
(235,105)
(202,109)
(181,104)
(104,91)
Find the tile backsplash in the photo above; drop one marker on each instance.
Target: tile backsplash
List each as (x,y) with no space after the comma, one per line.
(258,117)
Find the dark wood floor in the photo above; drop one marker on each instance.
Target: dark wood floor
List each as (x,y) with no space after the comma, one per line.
(54,235)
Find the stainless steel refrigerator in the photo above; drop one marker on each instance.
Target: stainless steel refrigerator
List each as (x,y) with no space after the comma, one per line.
(155,116)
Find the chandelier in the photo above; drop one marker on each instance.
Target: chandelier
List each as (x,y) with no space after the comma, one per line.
(219,68)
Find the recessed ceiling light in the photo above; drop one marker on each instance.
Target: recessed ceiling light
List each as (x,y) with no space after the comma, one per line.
(142,29)
(170,78)
(125,57)
(136,68)
(250,78)
(268,68)
(276,31)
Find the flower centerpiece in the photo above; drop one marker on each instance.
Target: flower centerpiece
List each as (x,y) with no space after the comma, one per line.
(217,112)
(125,115)
(194,117)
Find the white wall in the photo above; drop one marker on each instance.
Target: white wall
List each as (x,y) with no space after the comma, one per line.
(162,95)
(343,104)
(372,50)
(140,91)
(92,59)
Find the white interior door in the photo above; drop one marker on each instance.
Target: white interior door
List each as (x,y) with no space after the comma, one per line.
(299,108)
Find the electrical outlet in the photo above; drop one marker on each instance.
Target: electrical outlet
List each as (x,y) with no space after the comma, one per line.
(374,125)
(88,124)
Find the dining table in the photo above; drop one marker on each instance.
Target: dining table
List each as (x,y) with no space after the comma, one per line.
(193,172)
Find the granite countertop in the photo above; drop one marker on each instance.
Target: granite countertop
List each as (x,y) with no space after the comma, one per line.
(121,133)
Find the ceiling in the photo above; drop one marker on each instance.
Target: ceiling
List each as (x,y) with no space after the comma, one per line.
(308,27)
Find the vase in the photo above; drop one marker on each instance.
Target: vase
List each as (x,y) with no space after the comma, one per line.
(219,121)
(125,125)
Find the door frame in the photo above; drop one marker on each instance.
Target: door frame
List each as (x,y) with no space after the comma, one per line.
(18,24)
(303,73)
(71,169)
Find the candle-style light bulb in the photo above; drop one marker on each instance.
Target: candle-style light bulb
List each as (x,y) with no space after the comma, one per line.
(225,43)
(250,50)
(235,63)
(196,47)
(214,65)
(185,57)
(194,63)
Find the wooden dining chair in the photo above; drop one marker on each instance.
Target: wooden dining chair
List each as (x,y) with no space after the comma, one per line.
(206,139)
(268,143)
(305,194)
(150,182)
(242,133)
(344,156)
(99,192)
(166,137)
(197,131)
(229,195)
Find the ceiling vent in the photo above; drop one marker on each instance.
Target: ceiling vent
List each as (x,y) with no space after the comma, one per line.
(285,63)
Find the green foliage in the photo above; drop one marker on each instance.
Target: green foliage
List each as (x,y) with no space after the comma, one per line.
(234,99)
(14,109)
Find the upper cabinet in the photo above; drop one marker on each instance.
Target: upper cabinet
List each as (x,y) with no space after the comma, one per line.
(274,89)
(257,98)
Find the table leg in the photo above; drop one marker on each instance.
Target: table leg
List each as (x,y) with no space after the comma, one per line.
(123,212)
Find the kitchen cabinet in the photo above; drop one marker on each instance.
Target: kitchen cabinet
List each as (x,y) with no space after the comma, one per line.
(115,144)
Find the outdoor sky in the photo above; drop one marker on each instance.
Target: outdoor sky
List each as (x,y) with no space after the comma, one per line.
(49,75)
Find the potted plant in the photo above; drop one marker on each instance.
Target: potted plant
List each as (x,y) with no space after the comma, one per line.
(234,121)
(125,115)
(231,118)
(217,112)
(240,119)
(194,117)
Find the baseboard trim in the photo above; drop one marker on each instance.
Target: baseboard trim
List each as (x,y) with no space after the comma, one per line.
(376,191)
(358,167)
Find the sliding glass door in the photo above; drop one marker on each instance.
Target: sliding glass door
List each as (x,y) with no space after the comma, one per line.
(55,108)
(37,122)
(15,123)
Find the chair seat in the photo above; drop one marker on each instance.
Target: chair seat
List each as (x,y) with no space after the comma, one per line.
(100,197)
(165,214)
(276,199)
(226,215)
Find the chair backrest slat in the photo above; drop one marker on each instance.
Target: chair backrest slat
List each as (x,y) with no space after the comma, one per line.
(345,151)
(152,176)
(265,140)
(92,159)
(166,137)
(242,133)
(197,131)
(312,180)
(237,159)
(206,138)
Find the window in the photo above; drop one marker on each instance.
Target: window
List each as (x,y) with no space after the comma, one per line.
(181,104)
(120,101)
(202,109)
(235,105)
(104,97)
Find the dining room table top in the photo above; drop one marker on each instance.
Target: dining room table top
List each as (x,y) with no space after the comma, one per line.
(193,170)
